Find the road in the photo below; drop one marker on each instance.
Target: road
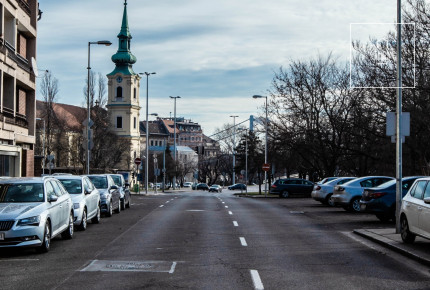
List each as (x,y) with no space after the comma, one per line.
(200,240)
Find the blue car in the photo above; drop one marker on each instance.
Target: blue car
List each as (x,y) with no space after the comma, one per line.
(381,200)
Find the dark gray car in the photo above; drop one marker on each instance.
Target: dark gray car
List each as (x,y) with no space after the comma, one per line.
(289,186)
(123,189)
(110,197)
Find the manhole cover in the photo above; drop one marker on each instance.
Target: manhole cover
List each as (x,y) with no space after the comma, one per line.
(130,266)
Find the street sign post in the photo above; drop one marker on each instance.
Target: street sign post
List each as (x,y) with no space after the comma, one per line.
(266,167)
(137,161)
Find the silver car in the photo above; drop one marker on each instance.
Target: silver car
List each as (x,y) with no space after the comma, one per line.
(323,192)
(85,197)
(33,211)
(348,195)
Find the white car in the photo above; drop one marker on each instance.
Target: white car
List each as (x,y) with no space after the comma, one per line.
(85,197)
(322,192)
(415,211)
(188,184)
(33,211)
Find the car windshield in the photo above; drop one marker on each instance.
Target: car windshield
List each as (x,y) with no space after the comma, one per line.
(116,179)
(100,182)
(21,192)
(73,186)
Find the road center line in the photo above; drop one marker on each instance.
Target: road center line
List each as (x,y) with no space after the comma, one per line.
(230,212)
(243,241)
(235,223)
(168,201)
(258,285)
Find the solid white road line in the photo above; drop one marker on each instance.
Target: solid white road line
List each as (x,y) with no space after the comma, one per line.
(235,223)
(243,241)
(258,285)
(230,212)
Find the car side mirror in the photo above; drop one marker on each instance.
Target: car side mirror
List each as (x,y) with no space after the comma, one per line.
(127,185)
(427,200)
(114,187)
(87,191)
(52,198)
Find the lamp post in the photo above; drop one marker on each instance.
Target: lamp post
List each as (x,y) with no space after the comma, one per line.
(147,131)
(43,144)
(265,146)
(399,118)
(234,144)
(101,42)
(174,140)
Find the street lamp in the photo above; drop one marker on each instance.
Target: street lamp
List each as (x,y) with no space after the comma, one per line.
(174,141)
(265,146)
(234,144)
(147,131)
(43,144)
(101,42)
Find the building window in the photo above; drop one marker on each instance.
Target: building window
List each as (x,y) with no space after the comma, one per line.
(135,93)
(119,92)
(119,122)
(134,122)
(152,142)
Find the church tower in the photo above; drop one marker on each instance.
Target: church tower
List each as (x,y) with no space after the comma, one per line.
(123,95)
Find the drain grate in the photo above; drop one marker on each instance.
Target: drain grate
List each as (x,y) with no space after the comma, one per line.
(130,266)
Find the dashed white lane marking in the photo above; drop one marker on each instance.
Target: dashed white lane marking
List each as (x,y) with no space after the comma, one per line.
(223,202)
(243,241)
(168,201)
(235,223)
(258,285)
(229,212)
(226,206)
(162,205)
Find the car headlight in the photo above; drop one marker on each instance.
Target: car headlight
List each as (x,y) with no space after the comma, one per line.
(76,205)
(30,221)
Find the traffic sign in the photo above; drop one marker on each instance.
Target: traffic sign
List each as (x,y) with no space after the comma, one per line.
(137,161)
(266,166)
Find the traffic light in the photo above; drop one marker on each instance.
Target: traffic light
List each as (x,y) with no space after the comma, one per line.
(132,175)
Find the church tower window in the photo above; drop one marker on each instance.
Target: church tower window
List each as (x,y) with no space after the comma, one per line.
(119,92)
(134,93)
(119,122)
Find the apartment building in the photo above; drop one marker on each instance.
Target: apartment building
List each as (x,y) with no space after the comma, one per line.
(17,86)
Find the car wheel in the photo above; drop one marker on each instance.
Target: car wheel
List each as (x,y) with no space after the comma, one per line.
(355,204)
(285,194)
(96,218)
(383,217)
(122,204)
(330,200)
(129,202)
(109,210)
(83,225)
(46,243)
(118,210)
(68,233)
(406,235)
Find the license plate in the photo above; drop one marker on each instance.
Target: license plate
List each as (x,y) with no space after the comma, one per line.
(1,236)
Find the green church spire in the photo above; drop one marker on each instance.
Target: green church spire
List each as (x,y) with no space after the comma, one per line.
(123,58)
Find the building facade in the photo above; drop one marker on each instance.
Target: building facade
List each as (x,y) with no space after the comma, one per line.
(123,96)
(18,86)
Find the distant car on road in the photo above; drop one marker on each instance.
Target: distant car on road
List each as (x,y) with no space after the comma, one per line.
(33,211)
(188,184)
(415,211)
(286,187)
(110,196)
(348,195)
(202,186)
(381,200)
(85,197)
(236,186)
(215,188)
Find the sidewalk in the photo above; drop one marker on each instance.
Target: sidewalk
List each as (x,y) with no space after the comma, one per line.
(419,250)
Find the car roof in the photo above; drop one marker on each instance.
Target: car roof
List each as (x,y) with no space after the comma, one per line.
(25,179)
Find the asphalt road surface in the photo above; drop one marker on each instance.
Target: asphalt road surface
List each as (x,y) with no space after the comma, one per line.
(200,240)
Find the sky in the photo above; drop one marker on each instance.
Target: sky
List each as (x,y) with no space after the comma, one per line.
(215,55)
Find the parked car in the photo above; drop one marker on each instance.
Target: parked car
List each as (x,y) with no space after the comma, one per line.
(348,195)
(327,179)
(110,197)
(188,184)
(85,197)
(381,200)
(202,186)
(124,190)
(415,211)
(215,188)
(33,211)
(323,192)
(289,186)
(236,186)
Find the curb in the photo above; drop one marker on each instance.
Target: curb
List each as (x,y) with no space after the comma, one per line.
(391,245)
